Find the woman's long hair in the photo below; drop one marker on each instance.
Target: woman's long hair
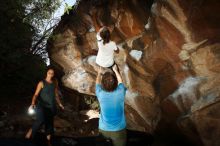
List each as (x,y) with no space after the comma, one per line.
(105,35)
(54,79)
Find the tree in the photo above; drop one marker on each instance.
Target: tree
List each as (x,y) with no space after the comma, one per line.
(40,15)
(21,66)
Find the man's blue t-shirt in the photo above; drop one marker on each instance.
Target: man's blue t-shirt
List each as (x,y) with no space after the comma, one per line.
(112,117)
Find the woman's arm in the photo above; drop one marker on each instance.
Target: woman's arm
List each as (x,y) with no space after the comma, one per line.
(37,91)
(117,73)
(98,79)
(57,96)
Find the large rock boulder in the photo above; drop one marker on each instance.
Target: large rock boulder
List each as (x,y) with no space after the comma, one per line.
(169,58)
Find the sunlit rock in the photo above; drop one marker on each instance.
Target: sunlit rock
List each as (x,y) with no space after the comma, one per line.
(169,60)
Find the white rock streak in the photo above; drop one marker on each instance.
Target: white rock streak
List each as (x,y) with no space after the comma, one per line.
(136,54)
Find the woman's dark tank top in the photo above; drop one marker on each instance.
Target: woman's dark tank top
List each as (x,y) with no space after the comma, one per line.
(47,95)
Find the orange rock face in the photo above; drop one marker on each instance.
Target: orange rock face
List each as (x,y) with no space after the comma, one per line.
(169,58)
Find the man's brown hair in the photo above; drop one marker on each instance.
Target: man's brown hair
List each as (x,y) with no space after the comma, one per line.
(109,81)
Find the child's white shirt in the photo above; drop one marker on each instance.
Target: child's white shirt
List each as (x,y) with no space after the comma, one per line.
(105,57)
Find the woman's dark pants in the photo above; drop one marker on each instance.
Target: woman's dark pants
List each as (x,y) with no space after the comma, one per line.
(43,116)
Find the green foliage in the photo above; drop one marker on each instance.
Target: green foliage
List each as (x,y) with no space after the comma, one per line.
(55,36)
(67,8)
(20,69)
(92,102)
(40,14)
(38,11)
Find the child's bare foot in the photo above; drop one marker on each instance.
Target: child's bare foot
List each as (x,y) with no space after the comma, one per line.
(28,135)
(49,140)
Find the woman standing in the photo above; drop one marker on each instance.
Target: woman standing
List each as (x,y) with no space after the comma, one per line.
(110,92)
(47,90)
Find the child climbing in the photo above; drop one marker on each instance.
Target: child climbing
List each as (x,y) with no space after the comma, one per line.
(106,48)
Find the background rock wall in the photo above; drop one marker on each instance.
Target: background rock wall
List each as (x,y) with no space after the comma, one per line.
(169,58)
